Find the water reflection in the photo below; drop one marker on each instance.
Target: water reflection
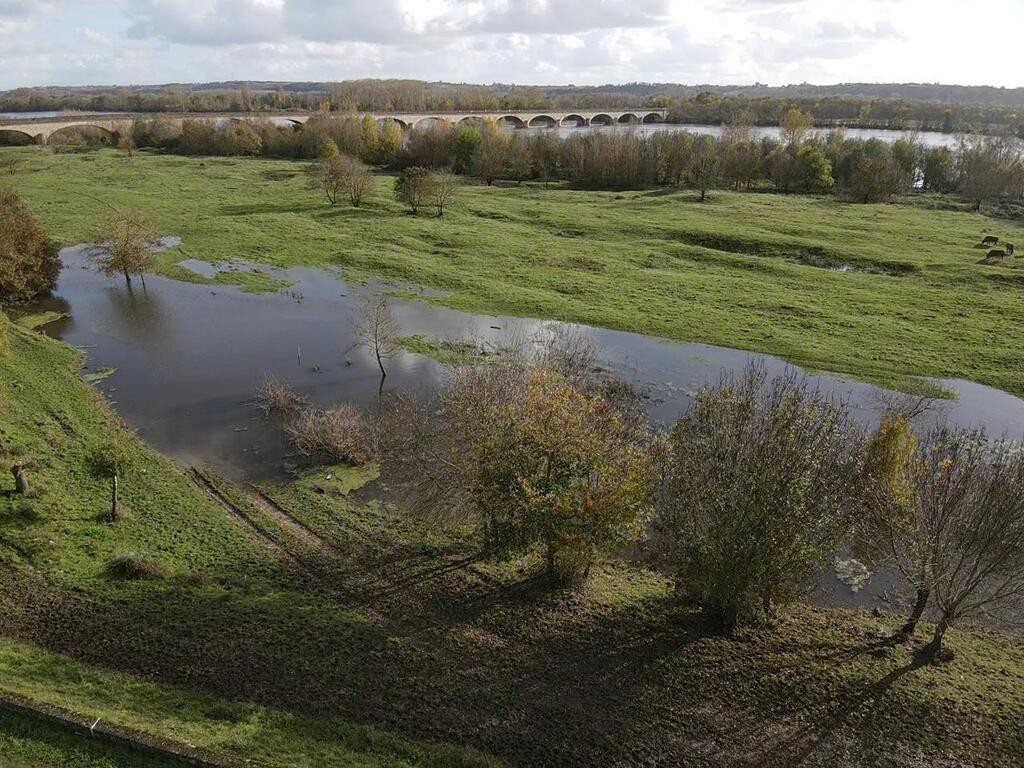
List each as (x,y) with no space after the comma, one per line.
(189,356)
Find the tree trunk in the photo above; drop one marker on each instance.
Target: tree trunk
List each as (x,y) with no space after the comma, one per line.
(128,279)
(113,498)
(915,615)
(934,647)
(20,479)
(551,560)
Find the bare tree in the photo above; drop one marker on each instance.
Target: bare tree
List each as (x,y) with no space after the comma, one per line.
(124,244)
(704,164)
(356,179)
(947,512)
(328,175)
(444,190)
(343,432)
(756,495)
(378,331)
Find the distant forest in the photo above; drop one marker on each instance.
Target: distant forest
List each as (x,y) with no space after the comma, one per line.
(896,105)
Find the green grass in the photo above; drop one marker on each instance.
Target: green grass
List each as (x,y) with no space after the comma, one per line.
(332,630)
(28,743)
(216,727)
(752,271)
(451,351)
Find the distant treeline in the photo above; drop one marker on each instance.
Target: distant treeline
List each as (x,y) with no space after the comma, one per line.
(802,160)
(943,108)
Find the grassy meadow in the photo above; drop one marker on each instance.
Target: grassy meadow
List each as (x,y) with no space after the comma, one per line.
(753,271)
(306,623)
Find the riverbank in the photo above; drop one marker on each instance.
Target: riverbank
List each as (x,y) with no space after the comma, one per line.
(881,292)
(257,619)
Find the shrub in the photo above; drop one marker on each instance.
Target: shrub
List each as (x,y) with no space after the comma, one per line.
(273,396)
(343,433)
(414,187)
(756,496)
(29,261)
(132,567)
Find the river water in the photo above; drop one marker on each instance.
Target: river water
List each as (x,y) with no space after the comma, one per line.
(187,358)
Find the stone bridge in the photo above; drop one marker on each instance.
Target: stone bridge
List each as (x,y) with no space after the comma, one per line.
(40,131)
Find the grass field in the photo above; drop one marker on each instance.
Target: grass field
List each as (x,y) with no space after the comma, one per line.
(754,271)
(300,627)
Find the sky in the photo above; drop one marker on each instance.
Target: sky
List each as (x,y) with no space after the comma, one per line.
(583,42)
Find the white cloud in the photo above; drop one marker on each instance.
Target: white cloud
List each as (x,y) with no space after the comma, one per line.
(549,41)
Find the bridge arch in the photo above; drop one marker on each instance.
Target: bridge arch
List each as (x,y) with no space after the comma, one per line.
(471,120)
(511,121)
(653,117)
(15,137)
(384,120)
(105,135)
(628,118)
(574,121)
(429,122)
(543,121)
(602,119)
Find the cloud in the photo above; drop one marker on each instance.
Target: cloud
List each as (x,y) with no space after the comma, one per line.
(539,41)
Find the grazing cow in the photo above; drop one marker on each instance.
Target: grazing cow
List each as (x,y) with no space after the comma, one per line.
(995,253)
(989,240)
(1009,248)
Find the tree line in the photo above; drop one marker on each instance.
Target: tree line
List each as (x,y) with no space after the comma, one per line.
(941,108)
(744,502)
(800,160)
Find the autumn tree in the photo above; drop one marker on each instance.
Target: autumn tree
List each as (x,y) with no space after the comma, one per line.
(123,244)
(531,457)
(756,494)
(29,260)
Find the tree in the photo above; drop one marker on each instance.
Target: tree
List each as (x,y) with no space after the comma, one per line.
(444,190)
(987,167)
(29,261)
(328,173)
(872,175)
(491,157)
(414,187)
(794,127)
(111,461)
(124,245)
(756,494)
(947,511)
(531,457)
(704,164)
(389,142)
(938,171)
(467,144)
(127,143)
(378,331)
(356,179)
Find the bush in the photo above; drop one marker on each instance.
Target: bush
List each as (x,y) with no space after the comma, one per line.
(132,567)
(415,187)
(29,261)
(273,396)
(342,432)
(756,494)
